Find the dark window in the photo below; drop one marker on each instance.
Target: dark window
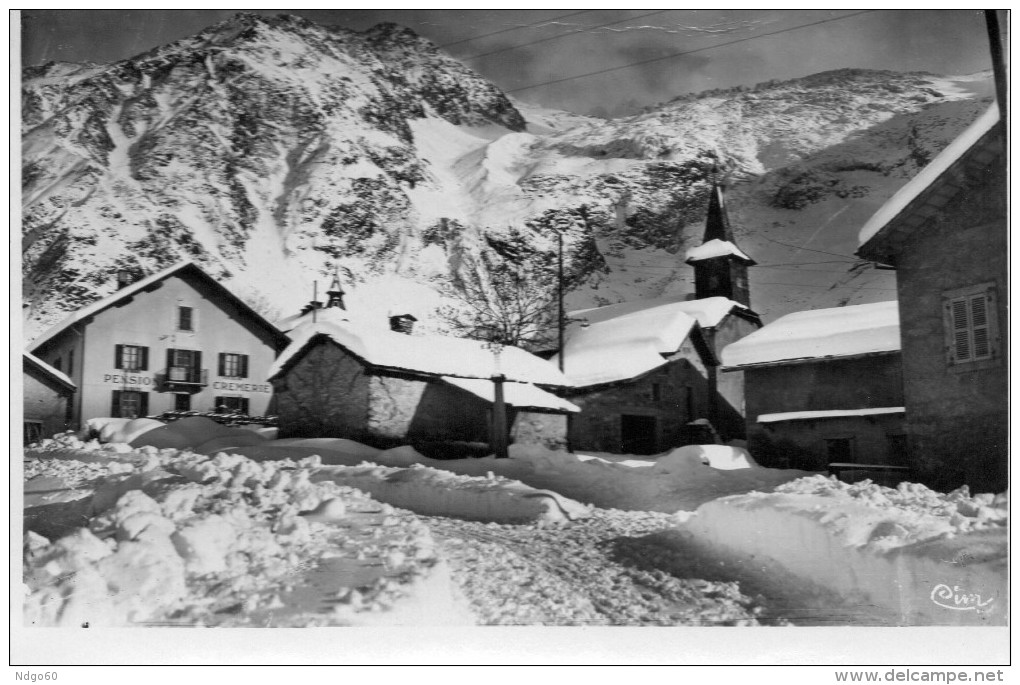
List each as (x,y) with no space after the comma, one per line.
(638,434)
(898,449)
(70,362)
(231,405)
(33,431)
(840,450)
(656,392)
(182,402)
(689,402)
(131,357)
(185,319)
(130,404)
(57,363)
(233,365)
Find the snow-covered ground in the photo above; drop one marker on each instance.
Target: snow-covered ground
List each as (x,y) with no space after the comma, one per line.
(330,532)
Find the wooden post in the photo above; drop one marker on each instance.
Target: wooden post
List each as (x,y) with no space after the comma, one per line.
(559,298)
(500,435)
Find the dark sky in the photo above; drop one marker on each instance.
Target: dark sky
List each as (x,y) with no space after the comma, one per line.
(574,42)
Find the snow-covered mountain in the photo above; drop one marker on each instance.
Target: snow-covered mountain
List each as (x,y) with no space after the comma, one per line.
(275,150)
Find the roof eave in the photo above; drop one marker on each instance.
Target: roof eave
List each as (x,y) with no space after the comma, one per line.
(808,360)
(883,247)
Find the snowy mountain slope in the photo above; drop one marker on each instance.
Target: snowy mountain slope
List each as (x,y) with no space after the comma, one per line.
(274,150)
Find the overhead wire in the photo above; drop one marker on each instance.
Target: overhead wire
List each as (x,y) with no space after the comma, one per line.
(563,35)
(683,53)
(514,28)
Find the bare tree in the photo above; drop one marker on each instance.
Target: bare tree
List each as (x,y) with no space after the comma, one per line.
(513,304)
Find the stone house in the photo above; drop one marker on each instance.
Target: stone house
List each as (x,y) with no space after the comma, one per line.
(174,340)
(344,378)
(639,374)
(47,396)
(945,233)
(824,387)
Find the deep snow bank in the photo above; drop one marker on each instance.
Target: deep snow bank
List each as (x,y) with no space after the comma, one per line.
(926,557)
(177,538)
(677,481)
(432,492)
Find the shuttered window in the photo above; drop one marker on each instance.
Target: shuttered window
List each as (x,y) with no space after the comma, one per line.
(970,325)
(129,404)
(233,365)
(131,357)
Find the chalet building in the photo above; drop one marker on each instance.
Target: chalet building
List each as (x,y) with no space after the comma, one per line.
(47,395)
(343,378)
(643,372)
(176,339)
(824,388)
(945,234)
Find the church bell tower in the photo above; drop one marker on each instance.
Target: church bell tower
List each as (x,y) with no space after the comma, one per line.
(720,267)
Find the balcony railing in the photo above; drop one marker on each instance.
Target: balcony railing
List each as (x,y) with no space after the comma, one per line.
(182,377)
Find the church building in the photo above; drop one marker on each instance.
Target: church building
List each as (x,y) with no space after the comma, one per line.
(645,373)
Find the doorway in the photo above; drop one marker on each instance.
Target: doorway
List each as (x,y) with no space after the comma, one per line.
(638,434)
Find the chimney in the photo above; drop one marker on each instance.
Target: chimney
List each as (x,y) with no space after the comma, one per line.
(124,278)
(402,323)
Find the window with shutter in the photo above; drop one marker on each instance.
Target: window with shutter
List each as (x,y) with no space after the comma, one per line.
(971,326)
(132,357)
(232,365)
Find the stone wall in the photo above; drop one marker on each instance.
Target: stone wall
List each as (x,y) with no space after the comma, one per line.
(730,411)
(423,411)
(539,428)
(324,394)
(801,444)
(682,397)
(957,417)
(866,382)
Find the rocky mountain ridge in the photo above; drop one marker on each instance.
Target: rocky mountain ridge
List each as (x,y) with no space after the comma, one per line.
(273,151)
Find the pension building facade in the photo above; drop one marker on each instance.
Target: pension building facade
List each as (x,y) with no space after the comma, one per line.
(176,340)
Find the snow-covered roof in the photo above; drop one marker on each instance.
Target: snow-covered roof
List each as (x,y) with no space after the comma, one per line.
(929,174)
(715,248)
(428,354)
(625,340)
(137,287)
(522,395)
(59,376)
(709,311)
(827,414)
(322,315)
(818,334)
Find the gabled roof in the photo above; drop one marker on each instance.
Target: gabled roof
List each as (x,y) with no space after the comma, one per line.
(430,355)
(30,361)
(623,341)
(709,311)
(927,192)
(187,268)
(819,334)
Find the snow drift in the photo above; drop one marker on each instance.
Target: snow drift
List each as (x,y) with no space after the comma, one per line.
(923,557)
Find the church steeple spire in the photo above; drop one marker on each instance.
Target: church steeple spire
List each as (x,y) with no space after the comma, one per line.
(720,267)
(717,223)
